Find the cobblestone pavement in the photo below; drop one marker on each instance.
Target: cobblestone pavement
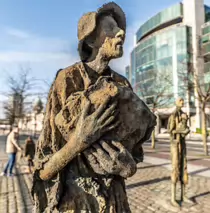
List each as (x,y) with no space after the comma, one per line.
(148,190)
(15,194)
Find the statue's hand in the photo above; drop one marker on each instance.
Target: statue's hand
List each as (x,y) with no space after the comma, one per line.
(91,127)
(111,158)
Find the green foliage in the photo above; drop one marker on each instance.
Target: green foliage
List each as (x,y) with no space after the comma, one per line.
(38,107)
(199,131)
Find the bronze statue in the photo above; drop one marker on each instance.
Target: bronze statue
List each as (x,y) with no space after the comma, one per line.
(30,152)
(94,126)
(178,130)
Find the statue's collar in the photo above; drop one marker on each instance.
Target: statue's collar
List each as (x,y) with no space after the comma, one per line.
(107,72)
(178,109)
(92,76)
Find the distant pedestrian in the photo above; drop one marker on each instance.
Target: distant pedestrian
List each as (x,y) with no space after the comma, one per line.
(12,147)
(30,152)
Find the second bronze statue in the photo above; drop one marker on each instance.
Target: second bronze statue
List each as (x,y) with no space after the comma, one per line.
(178,130)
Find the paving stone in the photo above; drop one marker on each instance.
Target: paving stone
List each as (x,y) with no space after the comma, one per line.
(4,195)
(14,194)
(148,191)
(152,188)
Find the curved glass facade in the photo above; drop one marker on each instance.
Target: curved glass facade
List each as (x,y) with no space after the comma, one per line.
(206,39)
(206,30)
(169,47)
(207,75)
(207,13)
(206,48)
(163,54)
(133,67)
(127,72)
(166,15)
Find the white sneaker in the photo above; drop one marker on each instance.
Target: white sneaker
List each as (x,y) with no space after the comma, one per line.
(3,174)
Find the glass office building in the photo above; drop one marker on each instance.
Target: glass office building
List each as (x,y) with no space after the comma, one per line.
(127,72)
(206,47)
(162,55)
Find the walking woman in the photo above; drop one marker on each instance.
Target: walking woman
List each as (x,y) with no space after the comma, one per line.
(12,147)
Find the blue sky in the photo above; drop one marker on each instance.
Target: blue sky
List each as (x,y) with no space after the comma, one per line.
(42,35)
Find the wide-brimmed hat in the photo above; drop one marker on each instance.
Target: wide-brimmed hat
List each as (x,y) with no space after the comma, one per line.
(88,21)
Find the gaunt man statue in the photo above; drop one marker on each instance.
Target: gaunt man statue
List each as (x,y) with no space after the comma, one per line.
(94,126)
(178,130)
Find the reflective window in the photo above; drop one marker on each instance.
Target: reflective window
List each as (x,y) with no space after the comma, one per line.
(162,17)
(156,56)
(207,75)
(206,30)
(127,72)
(207,13)
(206,48)
(205,39)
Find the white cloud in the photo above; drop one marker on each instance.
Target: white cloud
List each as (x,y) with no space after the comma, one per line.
(19,40)
(50,52)
(22,57)
(28,47)
(43,55)
(17,33)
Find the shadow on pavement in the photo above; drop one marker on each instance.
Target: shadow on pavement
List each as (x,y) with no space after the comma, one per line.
(157,180)
(152,166)
(147,182)
(199,171)
(200,195)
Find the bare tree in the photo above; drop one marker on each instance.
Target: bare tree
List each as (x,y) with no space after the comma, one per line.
(204,99)
(202,94)
(9,113)
(44,88)
(18,90)
(20,87)
(157,91)
(196,84)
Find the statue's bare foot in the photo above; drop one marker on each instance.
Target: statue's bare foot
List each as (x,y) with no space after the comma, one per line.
(187,200)
(175,203)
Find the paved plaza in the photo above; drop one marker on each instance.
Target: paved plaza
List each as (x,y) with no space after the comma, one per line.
(148,190)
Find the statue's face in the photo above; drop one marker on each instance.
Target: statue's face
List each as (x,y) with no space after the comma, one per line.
(180,102)
(109,38)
